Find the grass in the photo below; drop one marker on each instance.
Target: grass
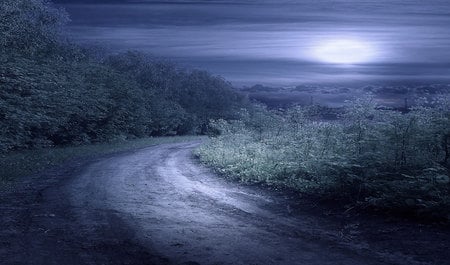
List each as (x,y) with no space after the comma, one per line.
(23,163)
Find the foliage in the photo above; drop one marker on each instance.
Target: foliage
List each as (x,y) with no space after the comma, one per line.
(195,96)
(31,27)
(370,156)
(54,93)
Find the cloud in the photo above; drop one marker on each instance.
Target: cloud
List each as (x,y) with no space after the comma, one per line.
(273,40)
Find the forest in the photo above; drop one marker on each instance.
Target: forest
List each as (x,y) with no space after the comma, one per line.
(57,93)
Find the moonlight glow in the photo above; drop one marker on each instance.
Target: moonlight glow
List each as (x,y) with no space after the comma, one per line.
(344,52)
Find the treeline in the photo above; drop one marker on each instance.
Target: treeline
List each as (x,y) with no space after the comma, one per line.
(369,157)
(53,92)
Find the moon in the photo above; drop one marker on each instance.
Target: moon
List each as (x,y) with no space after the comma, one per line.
(344,51)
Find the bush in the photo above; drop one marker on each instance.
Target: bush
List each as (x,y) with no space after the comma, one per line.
(371,156)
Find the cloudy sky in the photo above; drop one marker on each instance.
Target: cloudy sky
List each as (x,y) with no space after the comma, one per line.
(279,42)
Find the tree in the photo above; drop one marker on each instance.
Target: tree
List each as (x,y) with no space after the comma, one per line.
(30,27)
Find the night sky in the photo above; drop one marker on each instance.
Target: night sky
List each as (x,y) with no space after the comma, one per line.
(279,42)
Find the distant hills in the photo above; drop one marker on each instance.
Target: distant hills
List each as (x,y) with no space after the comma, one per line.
(335,96)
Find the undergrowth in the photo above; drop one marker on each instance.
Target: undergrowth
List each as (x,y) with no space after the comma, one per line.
(369,157)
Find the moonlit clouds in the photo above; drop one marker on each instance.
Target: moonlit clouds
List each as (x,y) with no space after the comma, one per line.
(275,42)
(342,50)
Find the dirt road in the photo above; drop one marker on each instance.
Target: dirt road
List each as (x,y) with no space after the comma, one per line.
(159,206)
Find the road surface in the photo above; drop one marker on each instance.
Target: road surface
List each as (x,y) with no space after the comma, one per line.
(158,205)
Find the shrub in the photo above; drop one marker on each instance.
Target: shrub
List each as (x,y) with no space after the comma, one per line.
(371,156)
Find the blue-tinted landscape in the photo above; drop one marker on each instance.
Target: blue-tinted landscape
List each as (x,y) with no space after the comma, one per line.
(216,132)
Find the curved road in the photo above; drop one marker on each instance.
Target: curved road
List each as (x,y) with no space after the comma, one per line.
(159,206)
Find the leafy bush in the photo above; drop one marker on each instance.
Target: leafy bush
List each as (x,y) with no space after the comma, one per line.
(371,156)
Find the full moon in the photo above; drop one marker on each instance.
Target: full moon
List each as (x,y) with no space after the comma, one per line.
(344,51)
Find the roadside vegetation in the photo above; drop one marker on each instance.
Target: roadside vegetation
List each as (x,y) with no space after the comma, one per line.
(54,93)
(369,157)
